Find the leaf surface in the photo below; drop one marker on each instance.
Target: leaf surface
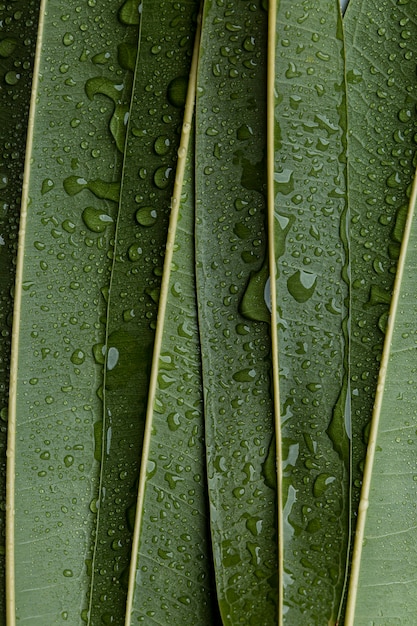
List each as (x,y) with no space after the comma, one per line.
(381,50)
(71,184)
(311,297)
(17,50)
(153,136)
(171,541)
(230,253)
(383,584)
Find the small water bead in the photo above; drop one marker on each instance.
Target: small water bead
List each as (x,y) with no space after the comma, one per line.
(7,47)
(162,145)
(12,78)
(4,179)
(177,91)
(129,12)
(301,285)
(161,177)
(78,357)
(68,39)
(146,216)
(244,132)
(101,58)
(95,219)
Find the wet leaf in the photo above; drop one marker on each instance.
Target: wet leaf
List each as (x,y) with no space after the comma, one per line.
(141,231)
(63,273)
(381,79)
(230,251)
(309,247)
(18,28)
(383,587)
(171,529)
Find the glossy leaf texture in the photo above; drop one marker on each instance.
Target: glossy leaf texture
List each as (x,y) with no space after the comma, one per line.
(381,50)
(230,258)
(153,134)
(309,227)
(171,548)
(72,182)
(383,585)
(17,49)
(172,515)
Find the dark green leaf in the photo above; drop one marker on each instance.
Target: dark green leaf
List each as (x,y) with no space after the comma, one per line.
(231,248)
(309,233)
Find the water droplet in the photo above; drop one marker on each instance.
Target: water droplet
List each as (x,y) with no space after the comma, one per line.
(322,483)
(4,179)
(12,78)
(162,177)
(95,219)
(134,252)
(301,285)
(7,46)
(284,182)
(146,216)
(245,375)
(162,145)
(129,12)
(177,91)
(78,357)
(47,185)
(68,39)
(244,132)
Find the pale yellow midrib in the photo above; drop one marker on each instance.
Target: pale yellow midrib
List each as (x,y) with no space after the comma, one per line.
(270,97)
(370,455)
(14,360)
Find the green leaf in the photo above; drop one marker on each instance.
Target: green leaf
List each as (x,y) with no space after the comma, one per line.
(171,541)
(17,49)
(141,232)
(383,582)
(381,48)
(309,246)
(230,248)
(64,264)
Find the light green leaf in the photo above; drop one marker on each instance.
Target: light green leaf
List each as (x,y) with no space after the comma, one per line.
(381,54)
(142,224)
(383,587)
(171,540)
(72,175)
(18,27)
(230,249)
(308,224)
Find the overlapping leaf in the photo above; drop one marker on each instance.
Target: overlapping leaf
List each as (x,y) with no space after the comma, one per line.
(309,228)
(95,218)
(17,49)
(230,249)
(383,585)
(159,90)
(381,49)
(71,188)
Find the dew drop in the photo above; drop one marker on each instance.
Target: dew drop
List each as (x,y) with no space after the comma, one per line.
(47,185)
(78,357)
(7,46)
(301,285)
(162,145)
(146,216)
(95,219)
(177,91)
